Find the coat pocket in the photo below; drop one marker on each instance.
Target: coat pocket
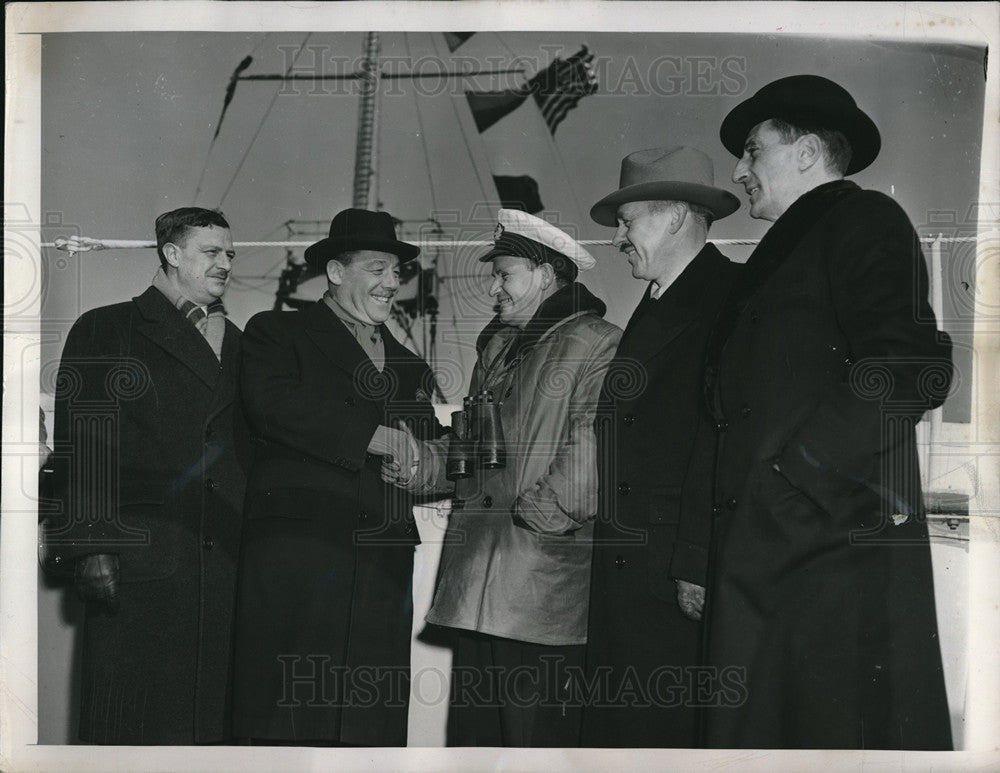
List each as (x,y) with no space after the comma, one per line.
(664,516)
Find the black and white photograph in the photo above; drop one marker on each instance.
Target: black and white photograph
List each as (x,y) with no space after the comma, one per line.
(468,385)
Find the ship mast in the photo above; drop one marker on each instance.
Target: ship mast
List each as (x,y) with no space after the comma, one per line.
(366,150)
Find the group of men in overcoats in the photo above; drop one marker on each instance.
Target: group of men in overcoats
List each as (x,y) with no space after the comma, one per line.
(708,529)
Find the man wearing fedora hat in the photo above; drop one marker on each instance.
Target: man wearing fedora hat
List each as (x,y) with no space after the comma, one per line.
(324,606)
(652,532)
(824,357)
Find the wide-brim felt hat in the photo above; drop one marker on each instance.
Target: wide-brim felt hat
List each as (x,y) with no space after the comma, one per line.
(666,174)
(809,101)
(358,229)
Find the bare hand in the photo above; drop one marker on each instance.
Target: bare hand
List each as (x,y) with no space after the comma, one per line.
(691,599)
(400,468)
(96,579)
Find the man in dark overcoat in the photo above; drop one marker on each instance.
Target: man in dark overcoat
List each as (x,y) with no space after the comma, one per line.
(325,604)
(656,447)
(150,485)
(825,356)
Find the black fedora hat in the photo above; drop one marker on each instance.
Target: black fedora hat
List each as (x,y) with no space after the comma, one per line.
(810,100)
(358,229)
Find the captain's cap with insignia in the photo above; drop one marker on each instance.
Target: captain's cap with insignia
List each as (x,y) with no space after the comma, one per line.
(526,236)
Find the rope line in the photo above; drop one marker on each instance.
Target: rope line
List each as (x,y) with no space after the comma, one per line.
(423,131)
(485,187)
(86,244)
(260,126)
(215,137)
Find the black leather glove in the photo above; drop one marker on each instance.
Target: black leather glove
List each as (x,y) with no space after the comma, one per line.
(96,579)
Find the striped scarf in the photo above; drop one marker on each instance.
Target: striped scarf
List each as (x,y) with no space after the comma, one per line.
(210,322)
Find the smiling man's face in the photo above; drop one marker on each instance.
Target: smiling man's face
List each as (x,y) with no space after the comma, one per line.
(366,285)
(202,259)
(643,236)
(519,288)
(768,172)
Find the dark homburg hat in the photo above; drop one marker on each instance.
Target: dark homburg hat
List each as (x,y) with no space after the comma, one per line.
(358,229)
(810,101)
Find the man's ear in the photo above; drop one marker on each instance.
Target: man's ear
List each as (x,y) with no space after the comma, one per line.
(678,211)
(172,254)
(335,272)
(810,151)
(548,275)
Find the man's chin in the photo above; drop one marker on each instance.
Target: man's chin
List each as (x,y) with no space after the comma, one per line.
(380,315)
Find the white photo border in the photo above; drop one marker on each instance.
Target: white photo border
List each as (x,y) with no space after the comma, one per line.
(974,23)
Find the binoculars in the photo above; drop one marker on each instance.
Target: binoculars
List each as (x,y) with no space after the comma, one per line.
(478,440)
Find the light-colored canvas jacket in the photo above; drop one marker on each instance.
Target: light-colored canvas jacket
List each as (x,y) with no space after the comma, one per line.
(516,560)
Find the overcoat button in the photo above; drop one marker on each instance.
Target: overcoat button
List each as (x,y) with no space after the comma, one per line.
(619,562)
(848,361)
(731,503)
(722,426)
(349,402)
(716,509)
(629,420)
(487,501)
(209,543)
(624,488)
(745,411)
(211,485)
(362,515)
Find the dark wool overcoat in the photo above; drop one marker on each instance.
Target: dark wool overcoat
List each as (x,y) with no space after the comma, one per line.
(821,619)
(656,447)
(148,437)
(325,599)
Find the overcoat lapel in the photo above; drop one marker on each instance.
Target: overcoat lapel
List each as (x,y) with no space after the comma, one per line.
(660,323)
(165,327)
(342,349)
(657,323)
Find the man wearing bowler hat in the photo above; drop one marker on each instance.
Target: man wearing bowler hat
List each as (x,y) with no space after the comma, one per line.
(324,604)
(824,357)
(652,532)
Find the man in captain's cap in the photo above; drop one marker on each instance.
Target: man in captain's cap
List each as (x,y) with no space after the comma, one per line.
(657,443)
(825,356)
(324,605)
(515,568)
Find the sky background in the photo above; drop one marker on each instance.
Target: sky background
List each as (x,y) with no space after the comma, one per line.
(127,120)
